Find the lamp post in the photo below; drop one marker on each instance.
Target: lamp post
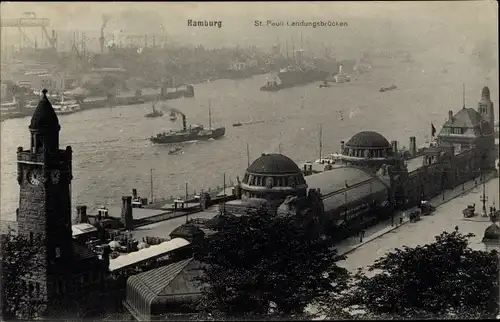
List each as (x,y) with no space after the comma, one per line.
(484,197)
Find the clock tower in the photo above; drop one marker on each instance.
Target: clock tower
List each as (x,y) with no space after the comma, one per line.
(44,176)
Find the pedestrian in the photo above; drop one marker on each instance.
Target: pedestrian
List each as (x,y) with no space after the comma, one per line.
(400,220)
(361,235)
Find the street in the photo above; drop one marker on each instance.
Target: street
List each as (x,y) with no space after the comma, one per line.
(445,218)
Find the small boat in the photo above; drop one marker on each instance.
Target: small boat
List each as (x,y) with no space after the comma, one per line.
(390,88)
(31,105)
(62,107)
(155,113)
(324,84)
(237,124)
(174,150)
(10,105)
(173,116)
(271,86)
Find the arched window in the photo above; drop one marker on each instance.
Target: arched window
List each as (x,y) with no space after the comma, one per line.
(31,288)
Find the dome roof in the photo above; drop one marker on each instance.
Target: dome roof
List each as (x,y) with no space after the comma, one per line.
(368,139)
(492,233)
(45,117)
(273,164)
(485,92)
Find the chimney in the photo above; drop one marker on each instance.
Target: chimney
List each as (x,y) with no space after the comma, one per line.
(79,214)
(450,115)
(134,194)
(394,145)
(413,146)
(83,215)
(342,144)
(127,217)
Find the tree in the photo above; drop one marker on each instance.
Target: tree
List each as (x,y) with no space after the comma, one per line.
(19,257)
(260,262)
(442,279)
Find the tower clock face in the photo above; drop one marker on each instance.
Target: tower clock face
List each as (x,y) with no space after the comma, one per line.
(35,177)
(55,175)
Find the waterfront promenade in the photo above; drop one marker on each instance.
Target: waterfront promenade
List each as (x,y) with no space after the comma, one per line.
(381,239)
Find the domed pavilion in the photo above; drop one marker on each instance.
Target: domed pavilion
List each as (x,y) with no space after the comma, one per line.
(368,150)
(267,183)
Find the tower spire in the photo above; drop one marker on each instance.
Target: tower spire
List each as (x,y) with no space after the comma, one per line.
(463,95)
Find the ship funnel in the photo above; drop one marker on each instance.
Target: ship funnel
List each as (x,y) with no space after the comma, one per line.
(340,68)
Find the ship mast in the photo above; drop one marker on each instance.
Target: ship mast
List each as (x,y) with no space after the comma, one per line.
(248,155)
(209,115)
(320,141)
(186,202)
(152,186)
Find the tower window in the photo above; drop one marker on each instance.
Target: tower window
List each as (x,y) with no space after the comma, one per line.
(31,288)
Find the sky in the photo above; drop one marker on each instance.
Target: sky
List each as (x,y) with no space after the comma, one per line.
(374,23)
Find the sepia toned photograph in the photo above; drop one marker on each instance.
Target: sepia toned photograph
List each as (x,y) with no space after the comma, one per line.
(234,161)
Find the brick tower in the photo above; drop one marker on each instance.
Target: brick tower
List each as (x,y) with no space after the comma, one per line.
(44,175)
(485,107)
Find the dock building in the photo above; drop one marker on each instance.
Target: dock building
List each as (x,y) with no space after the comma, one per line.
(373,179)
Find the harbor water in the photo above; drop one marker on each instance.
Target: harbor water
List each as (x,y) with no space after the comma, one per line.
(112,153)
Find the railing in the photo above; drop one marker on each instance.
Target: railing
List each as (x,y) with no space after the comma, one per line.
(212,192)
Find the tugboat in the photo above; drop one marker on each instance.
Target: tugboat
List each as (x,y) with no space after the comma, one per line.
(155,113)
(237,124)
(173,116)
(191,133)
(390,88)
(271,86)
(341,77)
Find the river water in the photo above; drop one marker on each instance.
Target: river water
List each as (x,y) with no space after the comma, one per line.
(112,154)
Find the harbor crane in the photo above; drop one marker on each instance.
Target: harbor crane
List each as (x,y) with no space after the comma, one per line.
(29,20)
